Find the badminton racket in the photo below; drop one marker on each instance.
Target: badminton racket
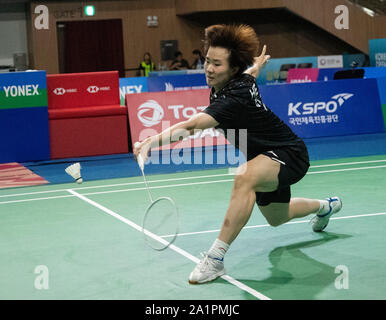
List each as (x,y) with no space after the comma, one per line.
(161,217)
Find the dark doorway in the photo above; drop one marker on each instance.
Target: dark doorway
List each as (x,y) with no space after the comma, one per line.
(87,46)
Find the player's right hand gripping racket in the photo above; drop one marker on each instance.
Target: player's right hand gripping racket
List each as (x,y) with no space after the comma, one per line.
(161,219)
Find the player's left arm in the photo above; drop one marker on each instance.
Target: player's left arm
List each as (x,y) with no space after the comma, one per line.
(258,63)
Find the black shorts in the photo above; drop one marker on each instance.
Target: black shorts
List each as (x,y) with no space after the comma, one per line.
(294,163)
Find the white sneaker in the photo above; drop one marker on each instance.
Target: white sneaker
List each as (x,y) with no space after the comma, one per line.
(208,269)
(320,221)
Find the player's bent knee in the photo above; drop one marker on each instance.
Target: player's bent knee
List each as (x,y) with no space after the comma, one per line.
(242,182)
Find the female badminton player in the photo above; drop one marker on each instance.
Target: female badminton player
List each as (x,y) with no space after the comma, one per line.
(276,156)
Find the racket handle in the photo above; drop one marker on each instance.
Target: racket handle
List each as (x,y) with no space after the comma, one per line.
(140,161)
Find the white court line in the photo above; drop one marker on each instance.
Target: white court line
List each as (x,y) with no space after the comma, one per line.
(267,225)
(348,169)
(182,178)
(231,280)
(180,185)
(346,163)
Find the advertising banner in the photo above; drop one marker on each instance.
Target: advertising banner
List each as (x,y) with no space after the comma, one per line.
(327,74)
(359,59)
(23,89)
(152,112)
(329,108)
(377,52)
(382,95)
(131,85)
(24,134)
(177,83)
(276,70)
(330,61)
(83,89)
(303,75)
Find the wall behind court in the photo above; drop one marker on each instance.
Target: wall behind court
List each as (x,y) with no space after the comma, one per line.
(13,32)
(138,38)
(291,36)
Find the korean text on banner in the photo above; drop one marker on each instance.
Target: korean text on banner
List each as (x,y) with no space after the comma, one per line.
(331,108)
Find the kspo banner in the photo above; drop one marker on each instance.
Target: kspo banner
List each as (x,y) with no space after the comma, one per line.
(152,112)
(331,108)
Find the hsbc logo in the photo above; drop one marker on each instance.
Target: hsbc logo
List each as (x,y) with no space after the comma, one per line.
(95,89)
(300,108)
(150,113)
(59,91)
(92,89)
(62,91)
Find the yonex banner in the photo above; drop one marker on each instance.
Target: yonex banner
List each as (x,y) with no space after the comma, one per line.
(152,112)
(329,108)
(131,85)
(24,132)
(23,89)
(177,83)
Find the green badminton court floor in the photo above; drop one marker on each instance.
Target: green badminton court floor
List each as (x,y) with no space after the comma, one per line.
(86,243)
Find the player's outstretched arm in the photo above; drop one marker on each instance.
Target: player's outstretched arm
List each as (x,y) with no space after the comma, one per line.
(175,133)
(258,63)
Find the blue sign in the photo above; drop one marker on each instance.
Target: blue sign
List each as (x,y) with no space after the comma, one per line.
(131,85)
(329,108)
(327,74)
(382,89)
(377,52)
(375,72)
(174,83)
(24,129)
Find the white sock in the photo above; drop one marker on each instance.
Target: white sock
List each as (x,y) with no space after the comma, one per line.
(218,249)
(324,207)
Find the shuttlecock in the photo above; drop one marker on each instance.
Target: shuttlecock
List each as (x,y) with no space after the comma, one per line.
(74,171)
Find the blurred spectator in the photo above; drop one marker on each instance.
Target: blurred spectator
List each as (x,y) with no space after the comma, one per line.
(146,65)
(198,60)
(179,63)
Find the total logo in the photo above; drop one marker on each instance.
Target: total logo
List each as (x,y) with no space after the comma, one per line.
(150,113)
(300,108)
